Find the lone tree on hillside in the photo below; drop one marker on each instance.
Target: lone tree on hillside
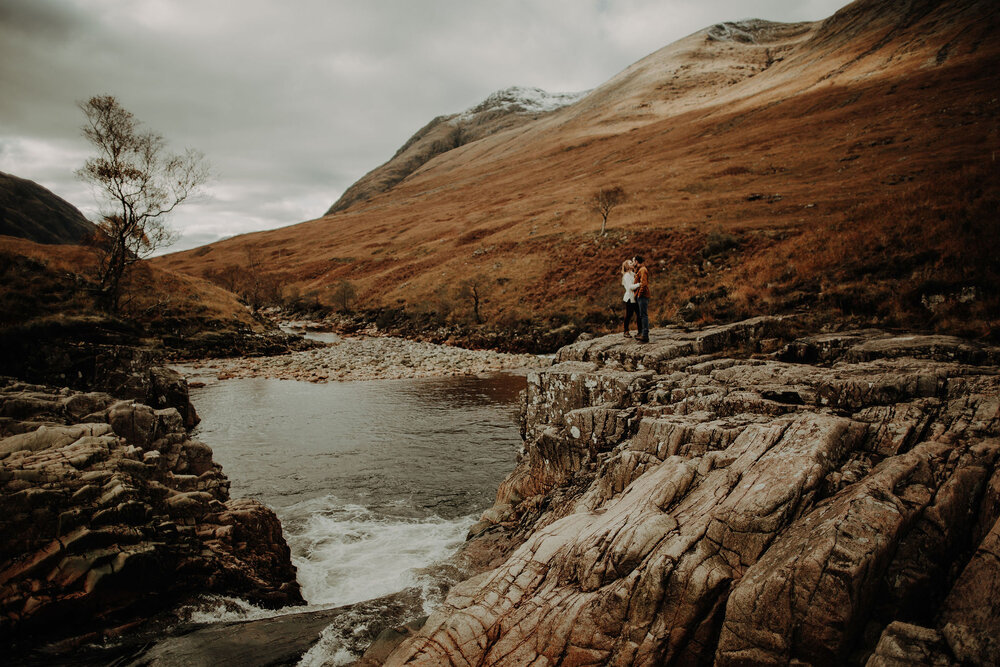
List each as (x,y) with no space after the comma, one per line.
(343,295)
(604,200)
(474,291)
(138,184)
(255,283)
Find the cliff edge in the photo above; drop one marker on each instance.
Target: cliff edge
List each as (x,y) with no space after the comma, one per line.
(722,496)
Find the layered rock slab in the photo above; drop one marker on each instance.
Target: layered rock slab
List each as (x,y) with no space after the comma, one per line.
(677,503)
(109,512)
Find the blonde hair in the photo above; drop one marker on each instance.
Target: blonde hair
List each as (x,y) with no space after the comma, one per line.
(626,266)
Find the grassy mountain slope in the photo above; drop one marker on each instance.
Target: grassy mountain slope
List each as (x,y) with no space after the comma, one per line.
(843,169)
(29,211)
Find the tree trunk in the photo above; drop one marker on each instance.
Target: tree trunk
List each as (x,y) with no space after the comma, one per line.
(111,277)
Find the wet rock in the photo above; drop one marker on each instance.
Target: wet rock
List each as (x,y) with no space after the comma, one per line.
(78,406)
(904,644)
(692,500)
(326,634)
(134,422)
(970,618)
(274,641)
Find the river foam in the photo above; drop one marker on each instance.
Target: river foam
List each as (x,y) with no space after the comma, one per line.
(345,553)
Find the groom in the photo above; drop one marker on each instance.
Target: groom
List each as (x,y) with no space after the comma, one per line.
(642,300)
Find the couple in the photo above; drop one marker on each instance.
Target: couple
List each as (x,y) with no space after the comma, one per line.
(635,280)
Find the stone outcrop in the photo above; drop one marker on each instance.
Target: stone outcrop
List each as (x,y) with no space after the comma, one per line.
(109,512)
(94,354)
(719,497)
(99,353)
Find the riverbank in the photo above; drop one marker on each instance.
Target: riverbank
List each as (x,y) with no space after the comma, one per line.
(525,336)
(365,358)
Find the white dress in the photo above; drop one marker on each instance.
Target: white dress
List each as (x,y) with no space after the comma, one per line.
(630,285)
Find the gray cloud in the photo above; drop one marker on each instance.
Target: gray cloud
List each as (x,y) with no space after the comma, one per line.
(293,102)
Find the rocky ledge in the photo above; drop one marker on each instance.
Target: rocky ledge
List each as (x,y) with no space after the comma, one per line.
(110,512)
(695,501)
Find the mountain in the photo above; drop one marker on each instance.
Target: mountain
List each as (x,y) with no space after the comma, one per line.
(842,169)
(503,110)
(30,211)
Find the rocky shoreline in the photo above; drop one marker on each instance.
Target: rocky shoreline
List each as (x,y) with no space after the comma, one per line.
(354,358)
(695,501)
(110,513)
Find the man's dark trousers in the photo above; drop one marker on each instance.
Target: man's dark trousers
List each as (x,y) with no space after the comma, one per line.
(643,303)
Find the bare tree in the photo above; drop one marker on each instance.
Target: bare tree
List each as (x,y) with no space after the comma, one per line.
(228,277)
(604,200)
(344,294)
(256,286)
(253,280)
(473,289)
(138,184)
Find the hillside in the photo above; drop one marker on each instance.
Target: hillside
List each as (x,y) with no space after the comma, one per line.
(43,281)
(29,211)
(843,169)
(51,331)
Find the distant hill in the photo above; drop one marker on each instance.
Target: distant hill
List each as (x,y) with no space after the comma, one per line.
(30,211)
(842,169)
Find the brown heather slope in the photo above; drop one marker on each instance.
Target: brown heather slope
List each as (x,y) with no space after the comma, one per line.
(845,168)
(51,282)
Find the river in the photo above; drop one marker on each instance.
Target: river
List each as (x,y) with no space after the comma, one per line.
(373,481)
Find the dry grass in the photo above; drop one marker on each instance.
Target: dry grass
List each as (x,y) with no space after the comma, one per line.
(926,258)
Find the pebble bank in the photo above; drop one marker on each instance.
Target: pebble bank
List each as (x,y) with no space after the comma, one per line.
(366,358)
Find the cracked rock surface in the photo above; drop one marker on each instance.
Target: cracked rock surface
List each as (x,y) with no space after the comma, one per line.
(694,501)
(109,513)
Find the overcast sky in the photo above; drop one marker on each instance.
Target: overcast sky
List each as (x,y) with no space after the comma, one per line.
(293,101)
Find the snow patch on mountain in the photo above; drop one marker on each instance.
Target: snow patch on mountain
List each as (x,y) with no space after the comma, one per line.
(518,99)
(747,31)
